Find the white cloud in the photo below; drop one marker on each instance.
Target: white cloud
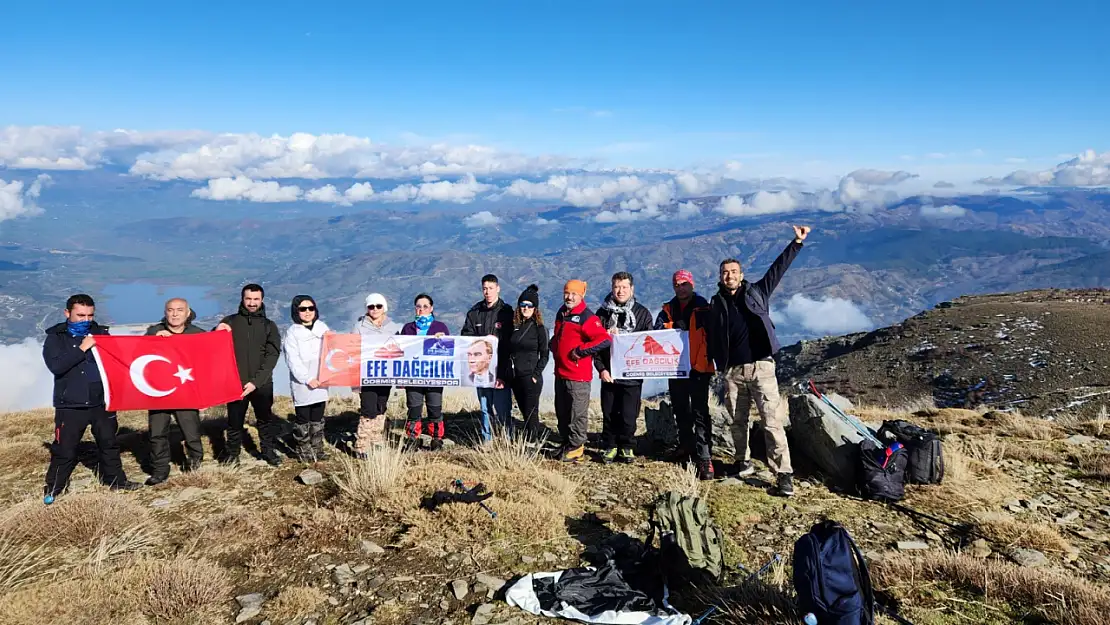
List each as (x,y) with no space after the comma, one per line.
(948,210)
(481,219)
(27,383)
(687,210)
(878,177)
(243,188)
(831,315)
(940,184)
(358,192)
(540,221)
(461,192)
(1088,169)
(554,188)
(17,202)
(762,203)
(72,148)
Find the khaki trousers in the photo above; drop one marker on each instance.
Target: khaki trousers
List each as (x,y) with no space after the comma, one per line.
(757,382)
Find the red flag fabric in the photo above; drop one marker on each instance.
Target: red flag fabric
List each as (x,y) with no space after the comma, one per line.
(341,360)
(187,371)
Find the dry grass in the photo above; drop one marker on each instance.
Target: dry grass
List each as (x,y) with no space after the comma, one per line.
(1055,595)
(186,591)
(1004,530)
(23,452)
(682,480)
(1096,465)
(368,481)
(1019,426)
(81,520)
(505,453)
(21,563)
(293,602)
(973,479)
(1041,452)
(27,422)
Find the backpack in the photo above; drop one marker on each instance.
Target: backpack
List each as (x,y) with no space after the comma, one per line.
(688,538)
(882,471)
(831,577)
(924,447)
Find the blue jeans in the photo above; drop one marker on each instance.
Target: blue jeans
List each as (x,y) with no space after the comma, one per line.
(499,402)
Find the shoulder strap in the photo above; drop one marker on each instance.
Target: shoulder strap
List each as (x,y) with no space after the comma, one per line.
(865,579)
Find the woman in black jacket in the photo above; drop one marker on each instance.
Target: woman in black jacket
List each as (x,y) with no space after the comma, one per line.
(529,353)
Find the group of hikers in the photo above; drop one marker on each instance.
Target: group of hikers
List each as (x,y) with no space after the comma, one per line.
(732,333)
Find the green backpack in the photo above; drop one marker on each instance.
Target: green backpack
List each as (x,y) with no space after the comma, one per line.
(688,538)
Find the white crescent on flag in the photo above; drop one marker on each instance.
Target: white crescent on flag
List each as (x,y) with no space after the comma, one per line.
(138,375)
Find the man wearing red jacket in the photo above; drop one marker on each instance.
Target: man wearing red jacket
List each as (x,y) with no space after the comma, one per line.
(578,336)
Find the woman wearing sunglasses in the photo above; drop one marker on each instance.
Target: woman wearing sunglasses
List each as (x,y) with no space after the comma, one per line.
(529,353)
(373,399)
(301,348)
(416,397)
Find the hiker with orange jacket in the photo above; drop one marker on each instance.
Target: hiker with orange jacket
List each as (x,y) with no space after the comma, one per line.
(578,337)
(690,396)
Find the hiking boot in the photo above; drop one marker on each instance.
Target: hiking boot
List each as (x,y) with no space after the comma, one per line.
(744,469)
(155,480)
(705,470)
(609,455)
(627,455)
(414,429)
(573,455)
(784,486)
(272,458)
(125,485)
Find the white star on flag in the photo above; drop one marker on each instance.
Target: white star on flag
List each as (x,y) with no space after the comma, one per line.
(183,374)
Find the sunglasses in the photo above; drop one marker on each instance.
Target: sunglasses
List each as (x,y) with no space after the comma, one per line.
(374,306)
(307,309)
(526,305)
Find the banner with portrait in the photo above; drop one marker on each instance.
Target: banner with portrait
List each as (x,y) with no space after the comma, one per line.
(651,354)
(401,360)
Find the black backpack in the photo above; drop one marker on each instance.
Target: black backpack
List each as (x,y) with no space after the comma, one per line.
(923,447)
(882,471)
(831,577)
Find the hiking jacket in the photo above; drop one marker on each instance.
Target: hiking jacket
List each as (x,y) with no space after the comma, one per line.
(437,327)
(580,332)
(77,382)
(164,325)
(365,327)
(257,345)
(752,302)
(301,347)
(694,318)
(609,321)
(493,320)
(529,351)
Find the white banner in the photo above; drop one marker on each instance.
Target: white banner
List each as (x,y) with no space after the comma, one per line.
(408,360)
(651,354)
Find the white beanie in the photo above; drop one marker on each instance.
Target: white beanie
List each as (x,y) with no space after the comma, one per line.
(377,298)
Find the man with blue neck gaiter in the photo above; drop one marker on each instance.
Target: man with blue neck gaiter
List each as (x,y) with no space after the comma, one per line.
(79,400)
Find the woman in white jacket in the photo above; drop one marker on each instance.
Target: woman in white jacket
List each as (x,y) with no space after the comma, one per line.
(301,347)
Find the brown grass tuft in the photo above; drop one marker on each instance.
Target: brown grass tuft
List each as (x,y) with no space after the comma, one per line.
(81,520)
(23,452)
(1055,595)
(682,480)
(368,481)
(1014,533)
(21,564)
(1096,465)
(293,602)
(973,479)
(186,591)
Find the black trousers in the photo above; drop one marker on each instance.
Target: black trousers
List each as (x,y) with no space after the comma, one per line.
(159,424)
(527,395)
(308,427)
(690,400)
(620,407)
(418,397)
(262,400)
(373,400)
(69,427)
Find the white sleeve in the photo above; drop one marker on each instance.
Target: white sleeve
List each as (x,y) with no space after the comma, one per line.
(297,369)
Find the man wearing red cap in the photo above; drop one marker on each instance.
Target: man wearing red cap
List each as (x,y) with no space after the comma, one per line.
(578,336)
(690,397)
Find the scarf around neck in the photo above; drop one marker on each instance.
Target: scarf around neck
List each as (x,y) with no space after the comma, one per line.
(623,317)
(423,324)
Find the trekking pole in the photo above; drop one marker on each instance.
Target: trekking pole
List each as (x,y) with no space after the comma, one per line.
(859,427)
(704,615)
(459,484)
(767,566)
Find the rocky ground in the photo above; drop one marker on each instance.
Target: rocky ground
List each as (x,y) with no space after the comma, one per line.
(1045,352)
(1018,532)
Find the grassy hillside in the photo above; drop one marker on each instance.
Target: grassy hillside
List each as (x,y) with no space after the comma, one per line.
(358,544)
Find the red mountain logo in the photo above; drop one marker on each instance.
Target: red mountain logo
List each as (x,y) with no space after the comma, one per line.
(651,347)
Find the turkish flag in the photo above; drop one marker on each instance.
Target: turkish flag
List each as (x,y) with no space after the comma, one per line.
(341,360)
(186,371)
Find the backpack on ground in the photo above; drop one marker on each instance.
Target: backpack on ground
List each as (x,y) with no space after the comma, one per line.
(925,451)
(882,471)
(688,537)
(831,577)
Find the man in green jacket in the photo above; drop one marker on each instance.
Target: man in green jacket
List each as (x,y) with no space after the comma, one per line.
(178,320)
(257,347)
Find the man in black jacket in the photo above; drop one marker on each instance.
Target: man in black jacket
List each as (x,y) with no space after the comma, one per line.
(620,399)
(79,400)
(493,317)
(178,320)
(742,346)
(257,347)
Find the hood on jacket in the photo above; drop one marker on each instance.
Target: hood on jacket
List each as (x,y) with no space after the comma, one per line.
(297,301)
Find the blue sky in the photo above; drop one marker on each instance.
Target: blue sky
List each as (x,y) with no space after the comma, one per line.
(799,87)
